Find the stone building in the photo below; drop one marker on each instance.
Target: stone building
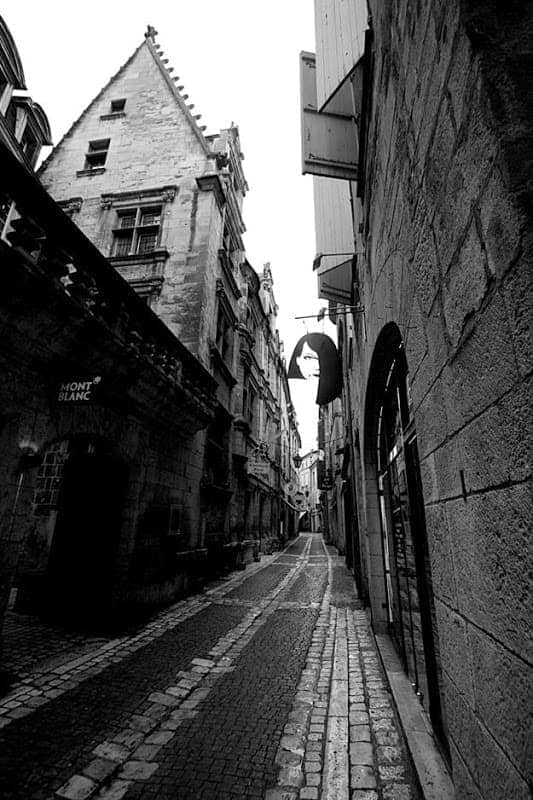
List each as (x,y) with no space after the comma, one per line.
(309,472)
(101,407)
(416,128)
(332,479)
(163,202)
(266,430)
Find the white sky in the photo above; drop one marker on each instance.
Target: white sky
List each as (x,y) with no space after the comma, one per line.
(238,61)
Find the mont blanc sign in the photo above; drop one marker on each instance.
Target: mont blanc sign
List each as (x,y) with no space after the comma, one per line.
(79,390)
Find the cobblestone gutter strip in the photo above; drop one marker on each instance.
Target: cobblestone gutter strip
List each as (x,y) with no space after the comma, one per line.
(132,754)
(39,687)
(299,757)
(429,764)
(342,740)
(379,765)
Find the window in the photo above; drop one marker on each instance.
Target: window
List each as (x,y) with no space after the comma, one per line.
(96,155)
(3,85)
(29,146)
(6,207)
(11,117)
(117,106)
(251,401)
(224,336)
(137,231)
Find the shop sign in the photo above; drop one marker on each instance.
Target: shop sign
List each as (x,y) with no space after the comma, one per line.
(258,466)
(299,500)
(78,390)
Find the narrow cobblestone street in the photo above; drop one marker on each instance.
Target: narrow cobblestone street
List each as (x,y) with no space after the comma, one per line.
(266,685)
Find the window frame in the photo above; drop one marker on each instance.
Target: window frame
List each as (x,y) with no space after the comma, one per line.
(225,335)
(95,153)
(136,233)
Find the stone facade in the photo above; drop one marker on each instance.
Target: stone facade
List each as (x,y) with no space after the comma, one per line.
(102,410)
(310,470)
(437,361)
(163,202)
(267,438)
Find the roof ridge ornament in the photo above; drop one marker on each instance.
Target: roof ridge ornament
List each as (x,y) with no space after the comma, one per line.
(151,33)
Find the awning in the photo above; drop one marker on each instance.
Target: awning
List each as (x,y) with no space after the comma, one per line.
(335,282)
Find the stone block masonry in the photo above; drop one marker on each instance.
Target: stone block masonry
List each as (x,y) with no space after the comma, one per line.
(445,230)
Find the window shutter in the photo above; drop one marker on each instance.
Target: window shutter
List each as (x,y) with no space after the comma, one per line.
(329,141)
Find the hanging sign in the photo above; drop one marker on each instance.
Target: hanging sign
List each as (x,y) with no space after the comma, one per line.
(316,357)
(299,500)
(258,465)
(79,390)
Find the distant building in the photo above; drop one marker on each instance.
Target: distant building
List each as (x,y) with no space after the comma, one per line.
(266,432)
(418,133)
(310,509)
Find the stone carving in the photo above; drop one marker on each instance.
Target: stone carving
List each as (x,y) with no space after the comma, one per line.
(168,195)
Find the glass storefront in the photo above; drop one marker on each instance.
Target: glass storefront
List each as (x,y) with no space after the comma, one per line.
(407,569)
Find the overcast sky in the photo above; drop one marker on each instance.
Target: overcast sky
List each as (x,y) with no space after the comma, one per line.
(238,61)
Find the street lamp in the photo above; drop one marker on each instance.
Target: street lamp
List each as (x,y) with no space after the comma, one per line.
(297,460)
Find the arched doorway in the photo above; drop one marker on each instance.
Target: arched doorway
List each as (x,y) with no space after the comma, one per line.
(83,551)
(408,591)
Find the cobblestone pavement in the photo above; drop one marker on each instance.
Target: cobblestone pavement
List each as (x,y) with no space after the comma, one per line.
(30,643)
(265,686)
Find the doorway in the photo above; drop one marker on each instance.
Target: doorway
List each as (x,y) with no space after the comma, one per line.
(82,561)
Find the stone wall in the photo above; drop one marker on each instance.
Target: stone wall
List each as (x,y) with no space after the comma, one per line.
(448,261)
(153,145)
(146,420)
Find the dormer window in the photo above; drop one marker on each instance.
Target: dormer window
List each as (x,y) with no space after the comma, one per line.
(30,146)
(96,155)
(117,106)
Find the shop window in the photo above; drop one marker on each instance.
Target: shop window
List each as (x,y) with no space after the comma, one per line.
(408,581)
(96,154)
(137,231)
(49,478)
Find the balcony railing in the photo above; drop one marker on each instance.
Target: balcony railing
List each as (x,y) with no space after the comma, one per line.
(49,244)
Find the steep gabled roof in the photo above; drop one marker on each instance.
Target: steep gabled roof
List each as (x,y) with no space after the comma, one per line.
(157,53)
(175,90)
